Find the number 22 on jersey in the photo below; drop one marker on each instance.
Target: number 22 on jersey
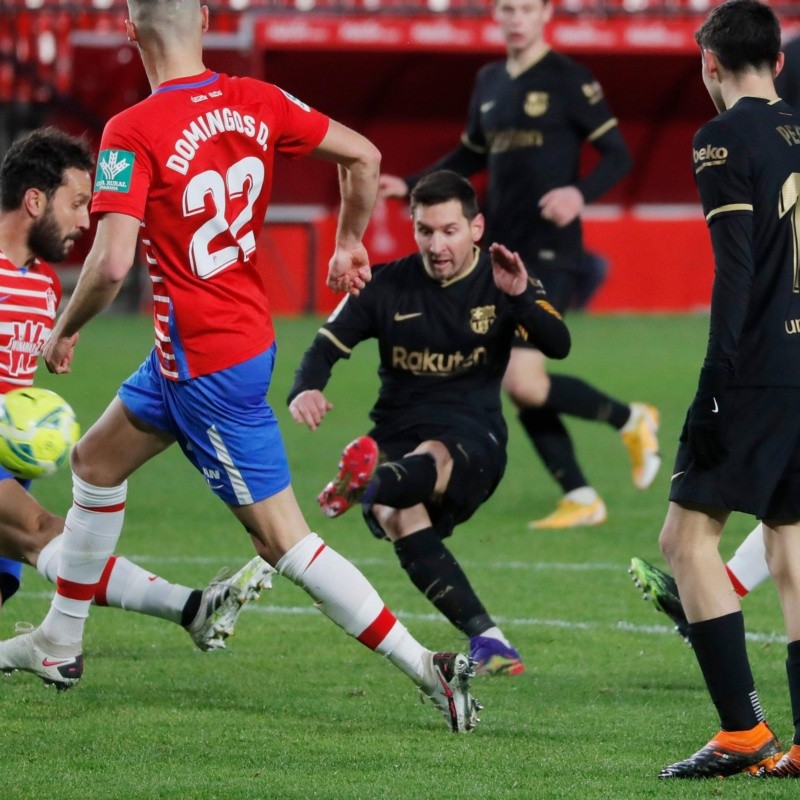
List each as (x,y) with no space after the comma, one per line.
(247,176)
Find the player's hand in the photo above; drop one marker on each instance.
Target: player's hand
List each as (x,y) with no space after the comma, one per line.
(562,206)
(348,269)
(309,408)
(510,275)
(704,422)
(57,353)
(392,186)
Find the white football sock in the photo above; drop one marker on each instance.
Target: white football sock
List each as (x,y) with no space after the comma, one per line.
(91,532)
(345,596)
(126,585)
(495,633)
(583,495)
(748,565)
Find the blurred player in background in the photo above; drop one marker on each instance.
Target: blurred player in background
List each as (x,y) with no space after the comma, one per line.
(444,319)
(192,166)
(740,446)
(45,189)
(787,83)
(528,119)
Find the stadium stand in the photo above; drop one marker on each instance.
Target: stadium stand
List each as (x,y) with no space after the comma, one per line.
(68,62)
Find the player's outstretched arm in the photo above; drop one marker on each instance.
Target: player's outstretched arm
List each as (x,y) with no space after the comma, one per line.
(111,257)
(359,167)
(309,408)
(510,275)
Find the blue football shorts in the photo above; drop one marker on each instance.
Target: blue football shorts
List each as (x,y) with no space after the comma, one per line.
(222,422)
(10,571)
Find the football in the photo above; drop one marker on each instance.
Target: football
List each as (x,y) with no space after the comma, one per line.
(37,431)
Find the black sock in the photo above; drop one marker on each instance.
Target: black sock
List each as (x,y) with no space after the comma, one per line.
(720,649)
(554,446)
(574,396)
(192,607)
(435,572)
(793,673)
(403,483)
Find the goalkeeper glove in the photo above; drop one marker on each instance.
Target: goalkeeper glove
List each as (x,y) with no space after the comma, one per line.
(703,430)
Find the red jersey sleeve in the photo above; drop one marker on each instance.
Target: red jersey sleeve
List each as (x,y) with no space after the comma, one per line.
(123,171)
(302,128)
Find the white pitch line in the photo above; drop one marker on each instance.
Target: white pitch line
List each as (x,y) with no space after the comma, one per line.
(534,622)
(531,566)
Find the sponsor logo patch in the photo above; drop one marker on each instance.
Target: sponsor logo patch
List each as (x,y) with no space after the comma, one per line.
(114,171)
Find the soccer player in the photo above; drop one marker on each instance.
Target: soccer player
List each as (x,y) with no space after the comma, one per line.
(45,189)
(444,319)
(739,447)
(788,82)
(529,116)
(191,166)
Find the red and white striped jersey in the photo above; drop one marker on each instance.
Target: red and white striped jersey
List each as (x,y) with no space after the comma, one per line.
(29,297)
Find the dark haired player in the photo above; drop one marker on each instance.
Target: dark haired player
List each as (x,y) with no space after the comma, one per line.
(529,117)
(45,189)
(190,168)
(740,447)
(445,319)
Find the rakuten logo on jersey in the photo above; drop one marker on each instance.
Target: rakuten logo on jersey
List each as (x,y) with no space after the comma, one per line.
(426,362)
(709,156)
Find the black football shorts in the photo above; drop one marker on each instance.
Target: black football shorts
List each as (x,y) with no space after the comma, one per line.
(761,473)
(479,461)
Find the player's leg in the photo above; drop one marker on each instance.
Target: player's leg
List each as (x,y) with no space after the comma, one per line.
(746,569)
(208,615)
(31,534)
(364,476)
(637,423)
(347,598)
(689,541)
(431,566)
(528,386)
(783,552)
(111,449)
(241,453)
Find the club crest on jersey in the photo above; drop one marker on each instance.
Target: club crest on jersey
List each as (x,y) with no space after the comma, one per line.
(593,92)
(481,318)
(536,103)
(114,171)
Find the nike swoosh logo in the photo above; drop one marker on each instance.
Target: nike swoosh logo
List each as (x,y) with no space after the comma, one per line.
(46,662)
(4,297)
(152,578)
(487,106)
(677,474)
(715,410)
(404,317)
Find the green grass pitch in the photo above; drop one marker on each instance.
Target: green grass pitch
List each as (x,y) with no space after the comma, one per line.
(296,709)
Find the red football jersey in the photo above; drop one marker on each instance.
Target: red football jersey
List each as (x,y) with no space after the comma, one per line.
(29,297)
(194,162)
